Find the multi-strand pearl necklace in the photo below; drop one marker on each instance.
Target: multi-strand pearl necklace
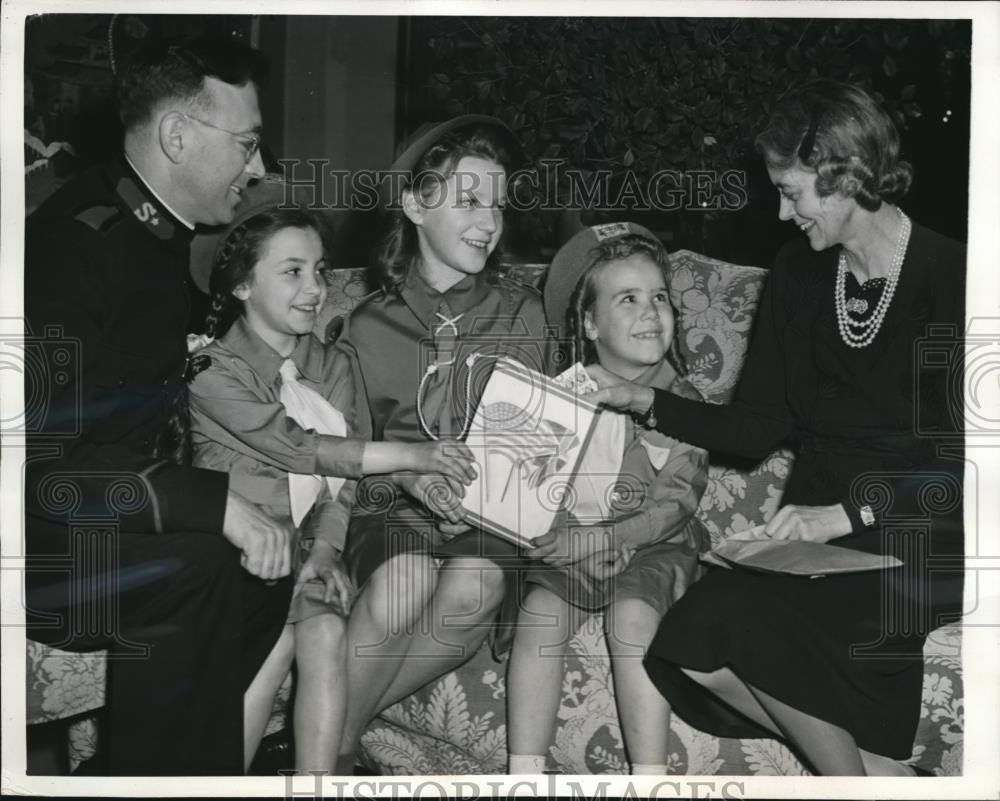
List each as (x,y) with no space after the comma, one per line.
(867,329)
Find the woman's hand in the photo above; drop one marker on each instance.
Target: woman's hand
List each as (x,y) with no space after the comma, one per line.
(441,495)
(450,458)
(564,545)
(809,523)
(324,563)
(618,394)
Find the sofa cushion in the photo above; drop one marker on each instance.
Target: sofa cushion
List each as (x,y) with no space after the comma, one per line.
(62,684)
(717,302)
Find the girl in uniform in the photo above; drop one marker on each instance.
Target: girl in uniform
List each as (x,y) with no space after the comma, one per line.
(422,347)
(272,406)
(609,285)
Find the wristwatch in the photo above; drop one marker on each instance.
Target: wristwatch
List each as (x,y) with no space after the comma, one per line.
(867,516)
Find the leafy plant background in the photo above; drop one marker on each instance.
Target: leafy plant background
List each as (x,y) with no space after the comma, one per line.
(652,94)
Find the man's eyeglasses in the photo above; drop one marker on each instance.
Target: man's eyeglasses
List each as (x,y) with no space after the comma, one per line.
(249,142)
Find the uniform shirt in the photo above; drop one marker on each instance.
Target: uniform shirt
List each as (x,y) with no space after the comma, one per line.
(239,425)
(389,339)
(668,496)
(107,301)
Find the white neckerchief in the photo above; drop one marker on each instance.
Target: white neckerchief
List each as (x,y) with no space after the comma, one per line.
(310,410)
(600,466)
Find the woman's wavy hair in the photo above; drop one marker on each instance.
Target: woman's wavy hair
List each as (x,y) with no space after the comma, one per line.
(838,131)
(234,262)
(584,296)
(399,249)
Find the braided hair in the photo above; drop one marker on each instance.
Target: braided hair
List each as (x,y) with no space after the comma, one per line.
(584,296)
(234,262)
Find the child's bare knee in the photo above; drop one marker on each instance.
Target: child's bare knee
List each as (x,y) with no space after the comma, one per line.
(399,589)
(474,587)
(326,631)
(631,622)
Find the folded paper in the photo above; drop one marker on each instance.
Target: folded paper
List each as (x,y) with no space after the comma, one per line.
(796,557)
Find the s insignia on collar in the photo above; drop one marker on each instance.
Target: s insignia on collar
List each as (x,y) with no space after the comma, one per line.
(147,213)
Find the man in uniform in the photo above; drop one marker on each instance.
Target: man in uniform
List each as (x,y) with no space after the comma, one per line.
(184,582)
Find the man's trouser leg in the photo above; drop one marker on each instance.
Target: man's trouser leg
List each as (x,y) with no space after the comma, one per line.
(189,628)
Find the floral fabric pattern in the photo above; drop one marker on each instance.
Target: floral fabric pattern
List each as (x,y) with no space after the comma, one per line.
(456,725)
(62,684)
(717,303)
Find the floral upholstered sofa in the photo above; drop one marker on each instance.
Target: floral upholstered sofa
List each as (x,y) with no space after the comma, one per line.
(456,725)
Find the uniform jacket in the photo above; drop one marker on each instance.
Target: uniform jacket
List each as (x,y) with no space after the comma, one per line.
(668,495)
(107,301)
(238,424)
(389,340)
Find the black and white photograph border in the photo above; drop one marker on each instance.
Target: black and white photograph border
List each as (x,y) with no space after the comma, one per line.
(978,716)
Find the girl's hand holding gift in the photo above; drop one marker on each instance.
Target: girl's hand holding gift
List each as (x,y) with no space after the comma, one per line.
(607,564)
(448,457)
(324,563)
(451,530)
(566,544)
(440,494)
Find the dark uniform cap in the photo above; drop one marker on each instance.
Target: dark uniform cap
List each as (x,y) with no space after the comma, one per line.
(575,258)
(270,192)
(428,134)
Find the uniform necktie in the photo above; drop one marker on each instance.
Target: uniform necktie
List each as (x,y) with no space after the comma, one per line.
(311,411)
(436,391)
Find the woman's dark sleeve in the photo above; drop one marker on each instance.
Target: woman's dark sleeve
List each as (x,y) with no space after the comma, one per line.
(758,420)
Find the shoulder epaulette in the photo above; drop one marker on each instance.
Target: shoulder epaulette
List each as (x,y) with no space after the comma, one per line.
(100,218)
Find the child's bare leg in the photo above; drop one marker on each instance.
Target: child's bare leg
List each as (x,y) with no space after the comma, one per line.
(321,696)
(534,677)
(258,700)
(382,622)
(454,624)
(644,713)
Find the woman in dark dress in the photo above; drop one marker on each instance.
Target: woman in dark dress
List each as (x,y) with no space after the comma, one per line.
(852,363)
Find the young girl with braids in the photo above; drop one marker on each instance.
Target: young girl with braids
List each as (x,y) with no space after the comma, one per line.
(608,285)
(272,406)
(433,587)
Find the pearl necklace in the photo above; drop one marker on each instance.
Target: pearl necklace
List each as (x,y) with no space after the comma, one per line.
(867,329)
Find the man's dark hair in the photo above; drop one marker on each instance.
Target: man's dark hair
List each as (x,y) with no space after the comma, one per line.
(177,69)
